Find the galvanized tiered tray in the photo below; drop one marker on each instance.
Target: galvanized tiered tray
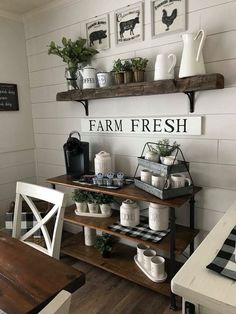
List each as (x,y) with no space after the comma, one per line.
(166,170)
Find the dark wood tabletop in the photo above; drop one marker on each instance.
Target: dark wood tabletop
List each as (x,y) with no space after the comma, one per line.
(30,279)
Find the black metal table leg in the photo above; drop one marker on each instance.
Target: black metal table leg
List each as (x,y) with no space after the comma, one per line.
(53,186)
(192,222)
(172,255)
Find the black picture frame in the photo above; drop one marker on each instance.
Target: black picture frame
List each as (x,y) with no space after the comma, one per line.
(8,97)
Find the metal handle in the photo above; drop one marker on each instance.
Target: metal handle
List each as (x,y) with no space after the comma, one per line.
(75,132)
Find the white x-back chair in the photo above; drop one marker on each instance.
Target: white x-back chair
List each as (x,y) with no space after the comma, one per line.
(59,305)
(27,191)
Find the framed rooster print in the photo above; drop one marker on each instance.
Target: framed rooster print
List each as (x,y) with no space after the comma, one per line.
(129,24)
(168,16)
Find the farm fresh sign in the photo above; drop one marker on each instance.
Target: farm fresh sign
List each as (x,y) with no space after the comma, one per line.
(157,125)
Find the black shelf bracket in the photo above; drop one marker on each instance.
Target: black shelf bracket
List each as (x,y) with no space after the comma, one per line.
(85,104)
(191,96)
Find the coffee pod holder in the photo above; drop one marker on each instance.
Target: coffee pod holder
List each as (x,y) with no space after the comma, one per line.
(157,280)
(178,165)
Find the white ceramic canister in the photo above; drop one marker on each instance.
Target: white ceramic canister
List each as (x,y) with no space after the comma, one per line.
(158,217)
(102,163)
(129,213)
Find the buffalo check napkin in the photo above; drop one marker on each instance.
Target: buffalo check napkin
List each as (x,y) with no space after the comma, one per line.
(224,263)
(141,231)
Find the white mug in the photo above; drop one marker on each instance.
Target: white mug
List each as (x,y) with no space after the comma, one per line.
(140,250)
(158,267)
(146,176)
(164,66)
(104,79)
(179,180)
(147,256)
(160,181)
(169,160)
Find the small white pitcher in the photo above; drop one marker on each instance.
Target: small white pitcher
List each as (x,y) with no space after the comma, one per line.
(164,66)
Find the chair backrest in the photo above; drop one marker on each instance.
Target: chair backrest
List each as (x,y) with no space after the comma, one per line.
(59,305)
(27,191)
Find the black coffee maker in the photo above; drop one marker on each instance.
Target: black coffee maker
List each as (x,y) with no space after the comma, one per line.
(76,156)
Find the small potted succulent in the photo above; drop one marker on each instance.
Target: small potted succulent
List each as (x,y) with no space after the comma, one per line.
(75,54)
(118,72)
(104,244)
(138,66)
(128,73)
(80,197)
(93,198)
(105,201)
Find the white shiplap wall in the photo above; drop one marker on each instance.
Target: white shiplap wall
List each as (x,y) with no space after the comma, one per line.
(212,155)
(17,160)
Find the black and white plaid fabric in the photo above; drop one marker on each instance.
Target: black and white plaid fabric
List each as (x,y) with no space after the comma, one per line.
(224,262)
(27,222)
(141,231)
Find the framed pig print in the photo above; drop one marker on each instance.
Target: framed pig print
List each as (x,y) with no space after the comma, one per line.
(168,16)
(129,24)
(98,33)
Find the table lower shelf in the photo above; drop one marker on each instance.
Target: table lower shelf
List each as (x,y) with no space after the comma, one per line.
(120,263)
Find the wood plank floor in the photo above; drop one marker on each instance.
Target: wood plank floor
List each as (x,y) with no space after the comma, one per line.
(105,293)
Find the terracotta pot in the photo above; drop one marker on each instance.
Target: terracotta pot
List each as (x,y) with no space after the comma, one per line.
(119,78)
(128,77)
(138,76)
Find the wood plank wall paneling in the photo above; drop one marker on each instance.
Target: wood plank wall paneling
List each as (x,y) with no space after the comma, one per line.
(212,155)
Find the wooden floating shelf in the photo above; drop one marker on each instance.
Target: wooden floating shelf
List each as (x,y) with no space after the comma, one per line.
(188,85)
(120,263)
(184,235)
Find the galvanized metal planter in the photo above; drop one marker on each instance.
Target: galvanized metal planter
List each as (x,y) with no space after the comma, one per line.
(163,194)
(181,166)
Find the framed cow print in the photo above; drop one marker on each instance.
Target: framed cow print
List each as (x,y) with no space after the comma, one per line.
(98,33)
(129,24)
(168,16)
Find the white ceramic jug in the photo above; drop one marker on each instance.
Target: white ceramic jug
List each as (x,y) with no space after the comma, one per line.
(192,60)
(88,74)
(164,66)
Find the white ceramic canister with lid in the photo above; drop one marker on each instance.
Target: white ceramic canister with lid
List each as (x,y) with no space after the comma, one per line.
(102,162)
(158,217)
(129,213)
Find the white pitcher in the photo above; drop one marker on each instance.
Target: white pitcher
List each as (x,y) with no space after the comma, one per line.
(192,60)
(164,66)
(88,74)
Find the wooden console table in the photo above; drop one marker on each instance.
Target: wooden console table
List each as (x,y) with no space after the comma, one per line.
(121,263)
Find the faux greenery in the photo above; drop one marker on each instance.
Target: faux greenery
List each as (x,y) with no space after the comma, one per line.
(104,198)
(93,197)
(72,52)
(139,64)
(117,66)
(104,243)
(80,196)
(127,66)
(164,148)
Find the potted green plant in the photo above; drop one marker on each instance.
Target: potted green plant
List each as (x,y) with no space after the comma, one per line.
(93,198)
(80,197)
(73,53)
(128,72)
(118,72)
(138,66)
(164,148)
(104,202)
(104,244)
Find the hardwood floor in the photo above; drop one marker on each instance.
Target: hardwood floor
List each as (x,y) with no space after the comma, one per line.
(105,293)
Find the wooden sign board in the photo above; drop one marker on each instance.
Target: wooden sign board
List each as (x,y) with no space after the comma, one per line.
(8,97)
(154,125)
